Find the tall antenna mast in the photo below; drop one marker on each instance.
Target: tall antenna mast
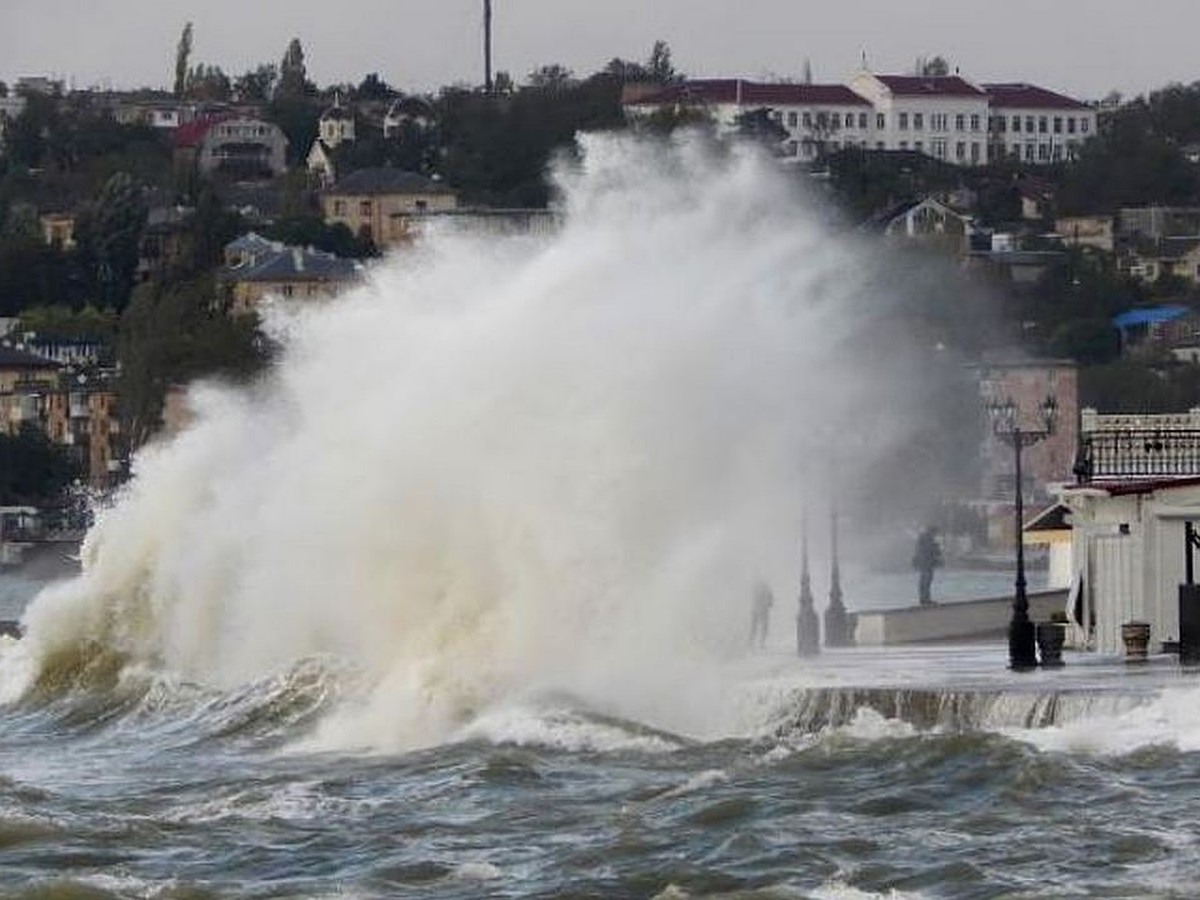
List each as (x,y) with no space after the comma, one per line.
(487,45)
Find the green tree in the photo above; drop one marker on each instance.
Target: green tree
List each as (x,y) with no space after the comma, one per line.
(108,234)
(372,87)
(182,51)
(173,333)
(33,470)
(935,66)
(553,77)
(659,67)
(760,126)
(293,76)
(208,84)
(256,85)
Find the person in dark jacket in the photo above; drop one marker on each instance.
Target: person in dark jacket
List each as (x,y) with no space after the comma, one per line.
(926,557)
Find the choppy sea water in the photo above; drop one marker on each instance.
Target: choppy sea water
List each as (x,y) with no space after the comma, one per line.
(135,785)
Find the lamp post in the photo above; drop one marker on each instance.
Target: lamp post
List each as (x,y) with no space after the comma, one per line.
(808,626)
(1006,425)
(838,632)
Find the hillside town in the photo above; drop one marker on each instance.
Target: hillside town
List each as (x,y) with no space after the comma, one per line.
(145,230)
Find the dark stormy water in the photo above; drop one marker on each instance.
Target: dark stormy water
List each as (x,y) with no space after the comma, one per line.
(135,786)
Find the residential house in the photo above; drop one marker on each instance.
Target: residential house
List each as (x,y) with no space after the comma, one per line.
(74,409)
(58,229)
(10,107)
(1036,125)
(1157,222)
(406,111)
(379,203)
(928,222)
(942,116)
(1169,328)
(163,240)
(1177,257)
(288,273)
(236,146)
(1086,231)
(816,117)
(336,125)
(321,164)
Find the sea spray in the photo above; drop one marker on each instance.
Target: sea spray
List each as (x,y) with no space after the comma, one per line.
(509,467)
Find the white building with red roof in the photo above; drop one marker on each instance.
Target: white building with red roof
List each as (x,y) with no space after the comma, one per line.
(943,116)
(1036,125)
(815,116)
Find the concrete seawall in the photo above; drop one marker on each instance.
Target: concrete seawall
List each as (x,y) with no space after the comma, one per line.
(985,619)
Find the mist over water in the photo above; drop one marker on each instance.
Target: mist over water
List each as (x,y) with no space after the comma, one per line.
(510,468)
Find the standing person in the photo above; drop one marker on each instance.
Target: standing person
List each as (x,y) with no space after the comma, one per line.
(926,557)
(760,615)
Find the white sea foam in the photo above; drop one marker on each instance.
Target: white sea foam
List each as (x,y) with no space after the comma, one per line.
(503,466)
(839,890)
(1172,719)
(563,730)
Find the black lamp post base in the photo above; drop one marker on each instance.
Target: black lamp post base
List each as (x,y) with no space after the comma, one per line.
(1022,648)
(808,634)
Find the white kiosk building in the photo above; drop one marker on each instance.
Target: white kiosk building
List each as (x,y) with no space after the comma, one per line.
(1139,484)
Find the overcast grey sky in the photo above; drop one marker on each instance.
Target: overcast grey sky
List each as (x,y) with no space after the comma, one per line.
(1084,47)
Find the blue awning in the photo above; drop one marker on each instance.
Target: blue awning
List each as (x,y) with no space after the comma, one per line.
(1149,315)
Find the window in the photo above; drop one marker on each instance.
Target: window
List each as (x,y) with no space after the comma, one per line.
(919,146)
(974,123)
(880,121)
(1058,124)
(339,207)
(904,145)
(862,120)
(960,151)
(1083,125)
(1016,151)
(974,151)
(835,121)
(822,120)
(939,149)
(918,121)
(1058,152)
(960,122)
(879,145)
(1071,125)
(1016,123)
(792,119)
(807,119)
(1029,124)
(1029,151)
(1043,152)
(903,121)
(364,207)
(848,120)
(1042,123)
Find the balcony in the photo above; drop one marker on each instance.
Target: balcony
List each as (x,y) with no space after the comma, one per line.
(1139,453)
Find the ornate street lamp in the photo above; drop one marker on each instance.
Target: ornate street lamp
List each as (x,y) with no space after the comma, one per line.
(838,629)
(808,626)
(1006,425)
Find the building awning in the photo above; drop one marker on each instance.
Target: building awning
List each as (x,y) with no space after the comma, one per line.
(1050,526)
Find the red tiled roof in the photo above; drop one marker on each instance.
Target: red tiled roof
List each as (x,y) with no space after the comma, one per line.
(734,90)
(930,85)
(1123,487)
(192,133)
(1028,96)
